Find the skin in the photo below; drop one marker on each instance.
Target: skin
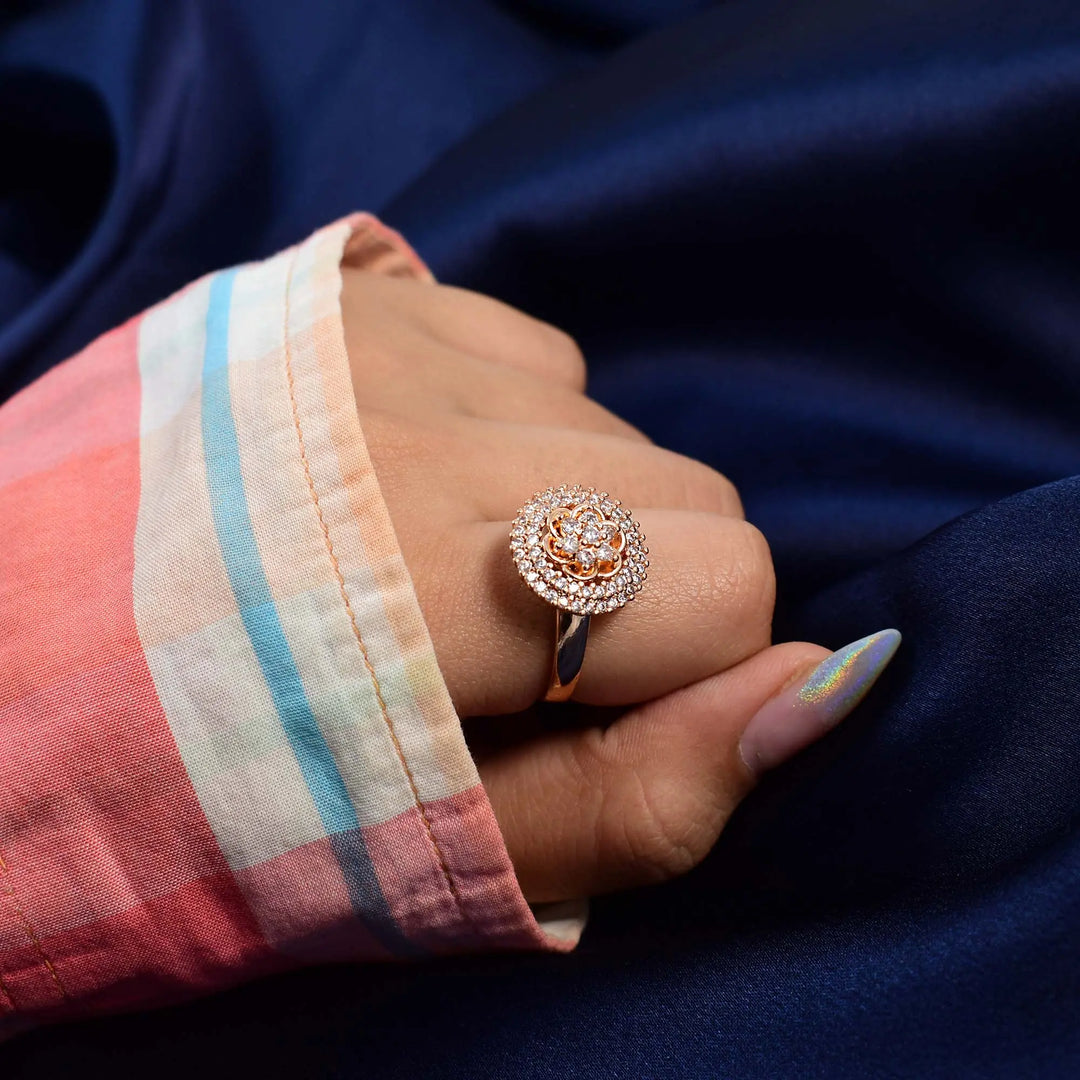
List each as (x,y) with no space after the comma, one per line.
(468,407)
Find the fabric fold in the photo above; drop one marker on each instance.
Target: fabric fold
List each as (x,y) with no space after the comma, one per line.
(247,753)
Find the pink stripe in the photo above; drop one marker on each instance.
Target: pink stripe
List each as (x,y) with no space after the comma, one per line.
(78,406)
(303,906)
(197,939)
(488,910)
(473,847)
(111,875)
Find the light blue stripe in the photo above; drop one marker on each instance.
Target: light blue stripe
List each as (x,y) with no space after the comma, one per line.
(236,536)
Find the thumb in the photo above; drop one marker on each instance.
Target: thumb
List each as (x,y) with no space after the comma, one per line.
(589,810)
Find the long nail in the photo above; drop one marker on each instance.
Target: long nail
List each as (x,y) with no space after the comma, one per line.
(799,715)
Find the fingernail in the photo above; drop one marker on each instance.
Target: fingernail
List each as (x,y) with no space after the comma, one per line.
(800,714)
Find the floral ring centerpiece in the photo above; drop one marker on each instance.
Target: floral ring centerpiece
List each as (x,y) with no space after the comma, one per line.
(579,549)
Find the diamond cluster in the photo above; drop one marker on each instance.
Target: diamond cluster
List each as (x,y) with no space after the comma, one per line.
(579,549)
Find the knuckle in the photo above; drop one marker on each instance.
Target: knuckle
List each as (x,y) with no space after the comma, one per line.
(646,829)
(759,571)
(730,583)
(567,356)
(658,832)
(753,582)
(707,489)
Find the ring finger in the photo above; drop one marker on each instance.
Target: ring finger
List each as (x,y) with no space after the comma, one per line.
(707,605)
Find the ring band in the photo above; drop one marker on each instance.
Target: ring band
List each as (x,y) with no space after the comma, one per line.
(571,637)
(581,551)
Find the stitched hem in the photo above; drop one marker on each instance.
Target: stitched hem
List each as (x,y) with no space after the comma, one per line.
(7,891)
(7,1002)
(482,903)
(340,579)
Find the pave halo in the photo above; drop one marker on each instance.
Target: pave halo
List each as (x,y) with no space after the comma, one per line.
(579,549)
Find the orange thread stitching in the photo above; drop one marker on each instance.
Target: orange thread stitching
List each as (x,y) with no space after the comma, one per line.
(443,866)
(7,995)
(9,892)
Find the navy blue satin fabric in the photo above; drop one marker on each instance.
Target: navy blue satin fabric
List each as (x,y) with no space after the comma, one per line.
(832,248)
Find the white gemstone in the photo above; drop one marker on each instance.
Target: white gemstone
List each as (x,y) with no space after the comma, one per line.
(571,527)
(532,576)
(591,535)
(605,554)
(586,558)
(569,544)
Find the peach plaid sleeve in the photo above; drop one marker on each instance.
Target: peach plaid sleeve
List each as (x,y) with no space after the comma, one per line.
(225,745)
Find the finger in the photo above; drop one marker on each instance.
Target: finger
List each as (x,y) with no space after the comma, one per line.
(409,445)
(471,323)
(706,606)
(406,371)
(496,392)
(588,811)
(488,328)
(533,458)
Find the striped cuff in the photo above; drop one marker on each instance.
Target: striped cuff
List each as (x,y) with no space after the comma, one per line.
(225,745)
(284,636)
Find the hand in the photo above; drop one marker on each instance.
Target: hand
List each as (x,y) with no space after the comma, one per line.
(470,406)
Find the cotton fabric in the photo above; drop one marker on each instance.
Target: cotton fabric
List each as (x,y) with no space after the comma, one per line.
(226,744)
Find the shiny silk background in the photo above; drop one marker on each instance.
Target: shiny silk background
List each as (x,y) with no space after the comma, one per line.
(829,246)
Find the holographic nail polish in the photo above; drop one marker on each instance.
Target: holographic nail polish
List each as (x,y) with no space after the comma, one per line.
(800,714)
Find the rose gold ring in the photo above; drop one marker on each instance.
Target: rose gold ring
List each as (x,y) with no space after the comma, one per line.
(583,552)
